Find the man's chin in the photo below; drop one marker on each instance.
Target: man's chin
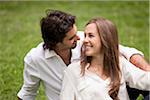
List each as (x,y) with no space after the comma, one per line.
(73,46)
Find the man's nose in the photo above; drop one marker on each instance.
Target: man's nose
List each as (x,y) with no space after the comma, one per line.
(78,38)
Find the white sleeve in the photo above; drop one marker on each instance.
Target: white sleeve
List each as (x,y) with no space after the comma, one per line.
(128,52)
(31,80)
(135,77)
(76,52)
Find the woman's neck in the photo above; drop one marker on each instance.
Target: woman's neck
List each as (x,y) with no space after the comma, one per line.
(97,66)
(97,60)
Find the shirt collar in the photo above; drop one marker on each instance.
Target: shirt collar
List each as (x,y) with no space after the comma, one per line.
(49,53)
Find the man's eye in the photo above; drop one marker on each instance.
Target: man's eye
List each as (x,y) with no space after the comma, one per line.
(84,35)
(71,38)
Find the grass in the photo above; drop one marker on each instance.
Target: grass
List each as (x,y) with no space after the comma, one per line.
(20,31)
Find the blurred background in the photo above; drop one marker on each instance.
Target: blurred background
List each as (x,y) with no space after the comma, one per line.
(20,31)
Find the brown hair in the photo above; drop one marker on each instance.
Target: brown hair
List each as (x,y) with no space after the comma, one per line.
(55,26)
(109,40)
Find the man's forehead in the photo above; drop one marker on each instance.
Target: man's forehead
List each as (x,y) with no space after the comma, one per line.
(70,35)
(72,32)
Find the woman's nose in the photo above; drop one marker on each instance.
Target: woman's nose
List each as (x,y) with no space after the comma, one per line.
(85,40)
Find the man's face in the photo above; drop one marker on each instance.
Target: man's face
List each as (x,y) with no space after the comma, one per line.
(70,41)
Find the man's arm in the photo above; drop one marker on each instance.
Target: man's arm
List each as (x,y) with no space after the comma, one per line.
(19,98)
(31,80)
(135,56)
(140,62)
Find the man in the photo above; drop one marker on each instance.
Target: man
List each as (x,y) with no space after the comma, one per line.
(48,60)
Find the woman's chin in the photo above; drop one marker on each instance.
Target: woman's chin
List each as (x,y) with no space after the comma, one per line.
(88,54)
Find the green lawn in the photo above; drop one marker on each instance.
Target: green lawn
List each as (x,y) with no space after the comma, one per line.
(20,31)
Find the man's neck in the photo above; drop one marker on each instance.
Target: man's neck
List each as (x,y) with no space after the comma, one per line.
(65,54)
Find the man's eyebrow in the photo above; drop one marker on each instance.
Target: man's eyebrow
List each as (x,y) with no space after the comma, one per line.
(72,37)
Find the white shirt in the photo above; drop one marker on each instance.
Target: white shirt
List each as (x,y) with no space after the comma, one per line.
(47,66)
(92,87)
(42,65)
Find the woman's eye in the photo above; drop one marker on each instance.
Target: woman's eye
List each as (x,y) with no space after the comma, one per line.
(88,35)
(91,35)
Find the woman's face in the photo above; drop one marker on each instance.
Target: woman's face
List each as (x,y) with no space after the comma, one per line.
(92,40)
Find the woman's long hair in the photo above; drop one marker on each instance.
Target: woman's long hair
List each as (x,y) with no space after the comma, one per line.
(109,40)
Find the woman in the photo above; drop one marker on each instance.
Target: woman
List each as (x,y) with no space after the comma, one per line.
(102,73)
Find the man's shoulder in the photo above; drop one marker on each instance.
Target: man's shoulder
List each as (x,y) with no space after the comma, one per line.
(36,52)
